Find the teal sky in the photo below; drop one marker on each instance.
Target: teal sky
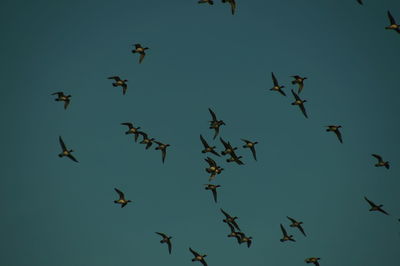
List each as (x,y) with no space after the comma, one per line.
(57,212)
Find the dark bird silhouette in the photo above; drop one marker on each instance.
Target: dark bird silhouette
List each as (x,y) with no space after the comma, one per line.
(393,25)
(140,50)
(213,168)
(132,130)
(296,224)
(313,260)
(245,239)
(234,234)
(61,97)
(360,2)
(210,2)
(65,151)
(146,140)
(215,123)
(166,239)
(233,5)
(300,81)
(228,147)
(213,189)
(208,148)
(163,148)
(276,86)
(375,207)
(234,158)
(299,102)
(121,199)
(250,145)
(120,82)
(381,162)
(230,220)
(336,130)
(198,257)
(286,237)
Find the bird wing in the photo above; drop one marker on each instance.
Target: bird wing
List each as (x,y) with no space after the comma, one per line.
(378,157)
(215,153)
(137,45)
(162,235)
(128,124)
(234,223)
(194,252)
(225,213)
(303,110)
(216,132)
(62,143)
(360,2)
(253,151)
(301,86)
(296,96)
(226,145)
(120,193)
(211,162)
(283,230)
(163,154)
(214,117)
(232,228)
(203,262)
(72,158)
(291,219)
(169,246)
(391,18)
(339,135)
(66,103)
(205,144)
(116,78)
(370,202)
(124,88)
(282,92)
(383,211)
(233,6)
(214,191)
(142,55)
(274,80)
(59,94)
(301,230)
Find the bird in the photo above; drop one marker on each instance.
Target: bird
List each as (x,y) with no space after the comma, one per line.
(375,207)
(132,130)
(286,237)
(234,234)
(213,168)
(245,239)
(360,2)
(208,148)
(213,189)
(300,81)
(215,123)
(163,148)
(198,257)
(146,140)
(120,82)
(233,5)
(300,103)
(141,50)
(235,158)
(336,130)
(61,97)
(250,145)
(276,86)
(228,147)
(65,151)
(296,224)
(230,220)
(166,239)
(121,199)
(393,25)
(381,162)
(210,2)
(313,260)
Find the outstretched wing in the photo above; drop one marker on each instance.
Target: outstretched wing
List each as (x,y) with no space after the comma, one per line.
(303,110)
(63,147)
(72,158)
(142,55)
(205,144)
(283,230)
(214,117)
(225,213)
(116,78)
(301,230)
(214,191)
(378,157)
(339,135)
(274,80)
(391,18)
(162,235)
(370,202)
(130,125)
(291,219)
(194,252)
(296,96)
(120,193)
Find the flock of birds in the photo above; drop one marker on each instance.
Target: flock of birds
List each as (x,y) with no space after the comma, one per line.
(213,168)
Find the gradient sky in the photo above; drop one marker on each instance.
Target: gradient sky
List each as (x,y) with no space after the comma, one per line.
(57,212)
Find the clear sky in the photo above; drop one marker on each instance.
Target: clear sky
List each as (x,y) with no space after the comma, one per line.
(58,212)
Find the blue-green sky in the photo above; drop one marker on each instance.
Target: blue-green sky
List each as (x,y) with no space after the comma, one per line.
(57,212)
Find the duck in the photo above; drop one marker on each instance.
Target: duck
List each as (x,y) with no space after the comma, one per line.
(65,151)
(121,199)
(300,81)
(141,50)
(166,239)
(235,158)
(245,239)
(208,148)
(163,148)
(215,123)
(198,257)
(228,147)
(61,97)
(230,220)
(233,5)
(250,145)
(299,102)
(335,129)
(120,82)
(146,140)
(375,207)
(213,189)
(210,2)
(393,25)
(276,86)
(297,224)
(313,260)
(213,168)
(381,162)
(235,234)
(132,130)
(286,237)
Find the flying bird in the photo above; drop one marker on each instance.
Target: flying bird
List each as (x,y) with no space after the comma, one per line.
(141,50)
(233,5)
(120,82)
(393,25)
(146,140)
(230,220)
(215,123)
(228,147)
(235,158)
(198,257)
(300,81)
(375,207)
(61,97)
(299,102)
(250,145)
(296,224)
(245,239)
(208,148)
(313,260)
(132,130)
(210,2)
(335,129)
(381,162)
(121,199)
(65,151)
(213,168)
(235,234)
(286,237)
(276,86)
(163,148)
(166,239)
(213,189)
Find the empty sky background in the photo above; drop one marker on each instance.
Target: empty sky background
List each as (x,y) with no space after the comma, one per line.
(57,212)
